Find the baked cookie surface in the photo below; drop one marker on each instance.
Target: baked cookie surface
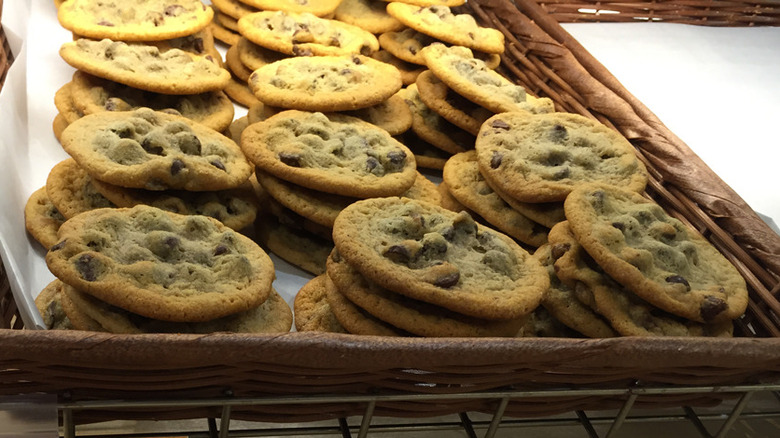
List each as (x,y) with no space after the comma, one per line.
(272,316)
(331,153)
(146,67)
(441,257)
(542,157)
(325,83)
(654,255)
(306,34)
(161,265)
(236,208)
(312,310)
(72,191)
(465,182)
(92,94)
(155,151)
(150,20)
(413,316)
(626,312)
(367,14)
(471,78)
(41,218)
(441,23)
(562,304)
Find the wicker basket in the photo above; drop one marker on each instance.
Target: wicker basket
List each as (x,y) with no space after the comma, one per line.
(541,55)
(701,12)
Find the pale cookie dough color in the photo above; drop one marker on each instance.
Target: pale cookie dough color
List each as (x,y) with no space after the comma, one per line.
(440,23)
(441,257)
(319,8)
(541,158)
(141,66)
(305,34)
(92,94)
(71,189)
(626,312)
(236,208)
(42,219)
(562,304)
(655,255)
(155,151)
(413,316)
(145,20)
(370,15)
(272,316)
(311,308)
(331,153)
(162,265)
(464,181)
(325,83)
(473,79)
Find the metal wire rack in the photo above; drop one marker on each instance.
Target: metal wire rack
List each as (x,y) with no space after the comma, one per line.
(728,413)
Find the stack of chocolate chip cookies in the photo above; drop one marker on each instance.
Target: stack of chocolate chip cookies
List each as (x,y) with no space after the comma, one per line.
(313,165)
(126,158)
(640,270)
(524,165)
(406,267)
(141,269)
(158,54)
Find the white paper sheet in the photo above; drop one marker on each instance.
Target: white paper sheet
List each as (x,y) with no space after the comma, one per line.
(718,89)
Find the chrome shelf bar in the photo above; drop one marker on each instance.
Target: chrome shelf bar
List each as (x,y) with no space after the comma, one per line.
(503,397)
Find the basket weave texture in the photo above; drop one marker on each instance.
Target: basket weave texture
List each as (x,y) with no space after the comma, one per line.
(544,58)
(699,12)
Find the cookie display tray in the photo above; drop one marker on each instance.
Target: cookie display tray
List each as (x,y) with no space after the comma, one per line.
(301,377)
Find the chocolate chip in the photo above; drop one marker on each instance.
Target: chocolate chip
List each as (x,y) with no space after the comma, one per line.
(371,163)
(500,124)
(87,267)
(598,200)
(558,133)
(345,71)
(619,225)
(447,280)
(124,131)
(110,104)
(365,50)
(448,233)
(301,51)
(356,60)
(156,18)
(559,249)
(173,10)
(471,35)
(172,241)
(177,166)
(711,307)
(220,249)
(562,173)
(334,42)
(678,279)
(105,23)
(58,246)
(151,146)
(197,45)
(218,164)
(397,159)
(290,159)
(496,159)
(413,50)
(398,254)
(335,255)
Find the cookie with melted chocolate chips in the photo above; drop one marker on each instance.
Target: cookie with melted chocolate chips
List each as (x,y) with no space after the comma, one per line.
(440,257)
(654,255)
